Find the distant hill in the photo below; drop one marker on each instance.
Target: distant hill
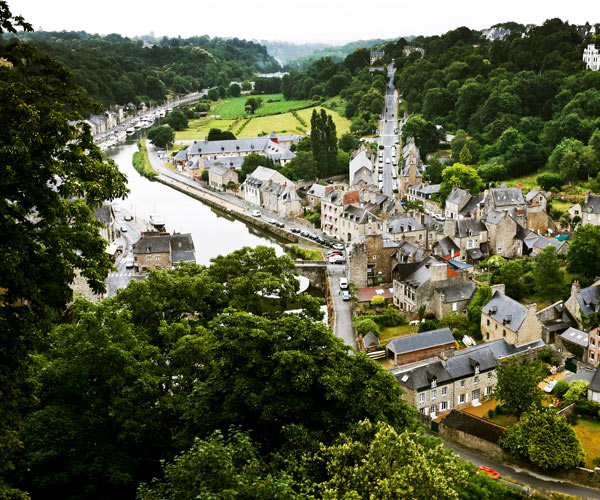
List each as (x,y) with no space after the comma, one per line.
(337,53)
(287,51)
(117,70)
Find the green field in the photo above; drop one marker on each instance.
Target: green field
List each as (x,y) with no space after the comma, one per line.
(285,123)
(235,108)
(588,433)
(342,124)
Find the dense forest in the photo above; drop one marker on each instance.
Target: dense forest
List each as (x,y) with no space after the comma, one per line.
(118,70)
(517,104)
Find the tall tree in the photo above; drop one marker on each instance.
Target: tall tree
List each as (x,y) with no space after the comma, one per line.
(462,176)
(324,142)
(583,257)
(53,178)
(549,278)
(517,385)
(545,439)
(162,136)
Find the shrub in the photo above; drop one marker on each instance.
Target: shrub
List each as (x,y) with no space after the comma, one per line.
(576,392)
(547,356)
(377,301)
(561,387)
(490,413)
(588,408)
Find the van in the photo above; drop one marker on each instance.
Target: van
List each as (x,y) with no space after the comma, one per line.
(380,177)
(343,283)
(387,160)
(129,262)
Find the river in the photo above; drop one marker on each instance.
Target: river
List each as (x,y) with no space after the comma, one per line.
(214,232)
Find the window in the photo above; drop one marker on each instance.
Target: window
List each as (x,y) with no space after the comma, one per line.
(503,332)
(421,397)
(432,409)
(157,258)
(433,383)
(476,369)
(423,411)
(444,391)
(444,406)
(475,380)
(475,395)
(591,355)
(499,249)
(454,306)
(489,375)
(461,398)
(462,383)
(488,322)
(149,258)
(433,393)
(593,342)
(488,390)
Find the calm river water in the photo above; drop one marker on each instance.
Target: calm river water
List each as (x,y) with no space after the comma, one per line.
(214,232)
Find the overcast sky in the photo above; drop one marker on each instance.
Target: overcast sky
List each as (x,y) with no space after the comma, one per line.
(335,21)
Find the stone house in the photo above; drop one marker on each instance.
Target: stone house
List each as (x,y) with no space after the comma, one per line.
(152,251)
(411,169)
(439,385)
(577,337)
(370,260)
(271,190)
(429,283)
(555,319)
(285,140)
(357,220)
(220,175)
(401,228)
(591,57)
(419,346)
(533,244)
(316,193)
(503,232)
(456,201)
(505,318)
(470,237)
(584,301)
(421,192)
(593,348)
(588,211)
(157,250)
(507,199)
(537,201)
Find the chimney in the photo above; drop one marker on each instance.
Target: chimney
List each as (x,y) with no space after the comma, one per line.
(575,288)
(449,227)
(498,288)
(438,272)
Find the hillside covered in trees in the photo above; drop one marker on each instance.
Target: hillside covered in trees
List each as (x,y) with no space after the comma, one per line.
(117,70)
(512,102)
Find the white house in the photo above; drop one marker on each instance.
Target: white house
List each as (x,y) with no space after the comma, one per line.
(591,57)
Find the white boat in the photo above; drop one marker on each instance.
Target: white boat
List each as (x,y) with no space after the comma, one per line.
(147,123)
(121,134)
(157,221)
(137,125)
(130,131)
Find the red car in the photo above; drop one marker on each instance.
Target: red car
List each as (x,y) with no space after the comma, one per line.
(491,472)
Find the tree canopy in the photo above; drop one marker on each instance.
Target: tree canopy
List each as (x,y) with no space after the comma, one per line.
(583,256)
(517,385)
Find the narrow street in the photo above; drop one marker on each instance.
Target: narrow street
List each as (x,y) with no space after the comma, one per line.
(343,312)
(537,481)
(388,136)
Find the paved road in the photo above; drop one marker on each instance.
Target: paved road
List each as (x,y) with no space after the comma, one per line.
(388,136)
(535,480)
(342,327)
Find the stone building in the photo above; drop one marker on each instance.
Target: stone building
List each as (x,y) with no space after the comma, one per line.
(505,318)
(411,169)
(421,192)
(503,231)
(419,346)
(583,301)
(332,207)
(470,236)
(358,220)
(402,228)
(106,215)
(588,211)
(429,283)
(156,250)
(370,260)
(555,319)
(271,190)
(436,386)
(220,175)
(591,57)
(361,166)
(509,200)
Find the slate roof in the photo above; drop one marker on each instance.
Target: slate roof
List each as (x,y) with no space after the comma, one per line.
(494,216)
(533,194)
(470,227)
(591,204)
(534,240)
(234,162)
(218,169)
(470,208)
(505,310)
(362,174)
(182,248)
(420,341)
(153,242)
(181,155)
(447,246)
(506,196)
(370,340)
(470,424)
(259,176)
(576,336)
(457,195)
(589,300)
(358,215)
(458,292)
(425,189)
(460,365)
(403,225)
(595,383)
(317,190)
(105,214)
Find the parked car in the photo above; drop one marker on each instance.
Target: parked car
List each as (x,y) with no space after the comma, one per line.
(129,262)
(338,246)
(346,295)
(256,213)
(337,259)
(439,217)
(280,224)
(320,240)
(490,472)
(332,253)
(304,233)
(128,217)
(549,387)
(272,221)
(343,283)
(123,229)
(295,230)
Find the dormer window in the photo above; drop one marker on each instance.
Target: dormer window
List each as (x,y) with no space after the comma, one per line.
(476,369)
(433,383)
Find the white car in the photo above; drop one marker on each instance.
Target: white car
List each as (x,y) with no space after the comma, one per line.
(129,262)
(272,221)
(128,217)
(338,246)
(256,213)
(343,283)
(123,229)
(346,295)
(337,259)
(550,386)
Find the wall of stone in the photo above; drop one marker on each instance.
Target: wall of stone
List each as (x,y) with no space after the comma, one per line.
(315,271)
